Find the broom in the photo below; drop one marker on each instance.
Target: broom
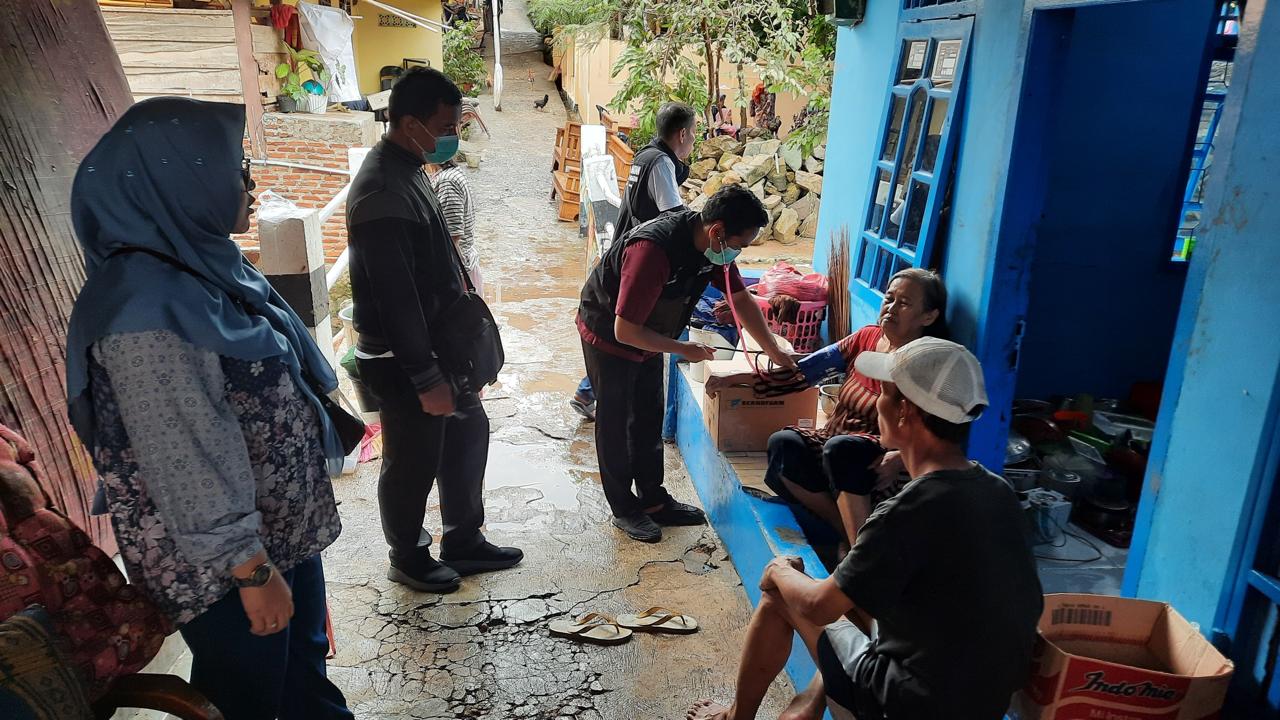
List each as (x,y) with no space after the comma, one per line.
(838,284)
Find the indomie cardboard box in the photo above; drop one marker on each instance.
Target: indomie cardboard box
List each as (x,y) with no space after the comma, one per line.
(741,422)
(1121,659)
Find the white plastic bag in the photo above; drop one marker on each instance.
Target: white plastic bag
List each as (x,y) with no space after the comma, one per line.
(328,31)
(273,207)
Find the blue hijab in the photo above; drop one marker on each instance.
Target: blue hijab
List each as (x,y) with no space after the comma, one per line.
(167,178)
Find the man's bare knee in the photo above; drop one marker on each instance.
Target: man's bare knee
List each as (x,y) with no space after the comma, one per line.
(771,603)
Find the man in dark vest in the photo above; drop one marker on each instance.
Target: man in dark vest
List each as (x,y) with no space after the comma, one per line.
(636,302)
(653,187)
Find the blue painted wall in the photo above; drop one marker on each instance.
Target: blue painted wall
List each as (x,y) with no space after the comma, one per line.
(1218,420)
(1103,292)
(1221,388)
(864,61)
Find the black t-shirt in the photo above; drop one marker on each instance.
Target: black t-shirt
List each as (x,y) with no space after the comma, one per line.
(945,571)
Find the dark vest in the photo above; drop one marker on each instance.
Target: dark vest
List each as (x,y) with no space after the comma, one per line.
(638,205)
(688,277)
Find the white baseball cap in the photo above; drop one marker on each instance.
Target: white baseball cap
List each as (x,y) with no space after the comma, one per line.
(942,378)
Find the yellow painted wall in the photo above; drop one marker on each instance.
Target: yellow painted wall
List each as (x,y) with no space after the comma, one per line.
(377,46)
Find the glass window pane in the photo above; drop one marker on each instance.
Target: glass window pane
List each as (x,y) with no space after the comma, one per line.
(937,118)
(887,264)
(915,121)
(946,63)
(914,53)
(913,216)
(866,261)
(897,107)
(879,202)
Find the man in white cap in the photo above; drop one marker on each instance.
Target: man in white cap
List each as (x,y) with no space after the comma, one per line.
(942,568)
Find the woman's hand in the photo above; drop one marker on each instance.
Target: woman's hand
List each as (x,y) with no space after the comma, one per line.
(269,607)
(887,468)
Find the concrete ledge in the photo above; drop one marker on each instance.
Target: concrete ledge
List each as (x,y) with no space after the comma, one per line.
(754,531)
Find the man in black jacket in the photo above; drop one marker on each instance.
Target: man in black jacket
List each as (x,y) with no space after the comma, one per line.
(405,272)
(635,303)
(653,188)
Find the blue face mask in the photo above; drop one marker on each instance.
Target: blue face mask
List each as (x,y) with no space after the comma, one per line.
(723,256)
(446,148)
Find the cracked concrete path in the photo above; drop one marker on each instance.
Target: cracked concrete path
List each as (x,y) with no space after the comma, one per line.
(484,651)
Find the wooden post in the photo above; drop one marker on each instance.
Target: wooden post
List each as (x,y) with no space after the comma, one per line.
(49,119)
(241,16)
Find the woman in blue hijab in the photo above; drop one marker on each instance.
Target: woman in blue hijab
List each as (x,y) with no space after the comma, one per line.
(194,387)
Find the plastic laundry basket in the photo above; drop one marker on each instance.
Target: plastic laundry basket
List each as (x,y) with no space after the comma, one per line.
(805,334)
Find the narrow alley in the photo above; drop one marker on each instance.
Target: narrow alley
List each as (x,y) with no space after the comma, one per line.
(484,652)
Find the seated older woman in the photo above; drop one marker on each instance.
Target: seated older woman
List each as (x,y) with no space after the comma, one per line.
(839,472)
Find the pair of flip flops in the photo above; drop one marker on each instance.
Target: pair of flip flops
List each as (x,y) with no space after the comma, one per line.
(600,629)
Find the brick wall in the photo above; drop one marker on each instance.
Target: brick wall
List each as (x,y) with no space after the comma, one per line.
(319,141)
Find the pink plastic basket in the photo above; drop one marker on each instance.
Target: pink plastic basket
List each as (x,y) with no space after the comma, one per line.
(805,334)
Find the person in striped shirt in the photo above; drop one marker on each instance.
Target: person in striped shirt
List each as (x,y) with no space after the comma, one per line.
(453,190)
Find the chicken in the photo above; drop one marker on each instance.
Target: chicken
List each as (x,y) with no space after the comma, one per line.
(542,104)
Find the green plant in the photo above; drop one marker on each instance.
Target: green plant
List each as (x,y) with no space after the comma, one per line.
(646,88)
(462,64)
(548,15)
(677,50)
(290,75)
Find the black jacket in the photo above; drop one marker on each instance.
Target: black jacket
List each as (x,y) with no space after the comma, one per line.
(638,205)
(404,269)
(688,278)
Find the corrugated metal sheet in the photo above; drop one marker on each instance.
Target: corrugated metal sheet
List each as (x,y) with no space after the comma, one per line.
(61,87)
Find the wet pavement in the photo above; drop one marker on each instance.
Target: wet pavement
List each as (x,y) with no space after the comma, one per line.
(484,651)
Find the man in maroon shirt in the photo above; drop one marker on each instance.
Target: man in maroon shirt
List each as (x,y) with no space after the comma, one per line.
(636,302)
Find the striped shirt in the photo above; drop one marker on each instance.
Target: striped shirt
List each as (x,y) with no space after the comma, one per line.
(454,194)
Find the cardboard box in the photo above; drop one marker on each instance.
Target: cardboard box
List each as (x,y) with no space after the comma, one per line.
(1112,658)
(741,422)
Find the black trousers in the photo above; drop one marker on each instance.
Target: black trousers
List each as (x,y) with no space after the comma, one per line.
(843,464)
(629,406)
(417,450)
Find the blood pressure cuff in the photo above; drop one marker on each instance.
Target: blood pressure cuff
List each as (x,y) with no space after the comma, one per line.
(822,364)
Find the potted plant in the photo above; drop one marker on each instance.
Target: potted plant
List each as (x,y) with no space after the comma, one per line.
(462,64)
(297,94)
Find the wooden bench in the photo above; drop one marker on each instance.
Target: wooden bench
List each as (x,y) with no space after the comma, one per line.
(569,189)
(568,150)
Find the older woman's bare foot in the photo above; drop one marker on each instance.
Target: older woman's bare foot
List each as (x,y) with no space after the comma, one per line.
(708,710)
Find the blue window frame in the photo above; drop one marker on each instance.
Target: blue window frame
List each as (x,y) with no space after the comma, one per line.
(1215,96)
(912,169)
(1246,626)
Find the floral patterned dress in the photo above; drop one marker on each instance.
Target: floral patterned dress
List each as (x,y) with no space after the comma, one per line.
(205,461)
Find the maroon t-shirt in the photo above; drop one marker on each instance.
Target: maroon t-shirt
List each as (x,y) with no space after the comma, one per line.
(645,270)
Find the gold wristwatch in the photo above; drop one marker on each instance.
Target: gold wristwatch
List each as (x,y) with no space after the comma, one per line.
(257,578)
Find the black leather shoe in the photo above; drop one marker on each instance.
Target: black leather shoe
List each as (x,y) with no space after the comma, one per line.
(485,557)
(425,575)
(639,527)
(677,513)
